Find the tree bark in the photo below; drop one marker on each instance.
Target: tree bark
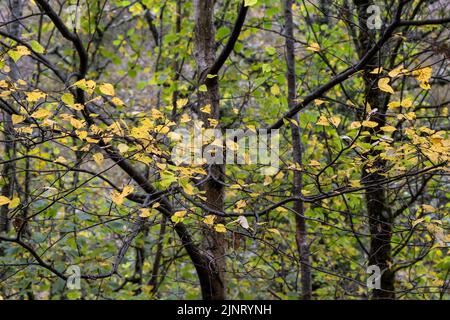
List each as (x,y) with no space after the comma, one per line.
(213,242)
(8,172)
(297,151)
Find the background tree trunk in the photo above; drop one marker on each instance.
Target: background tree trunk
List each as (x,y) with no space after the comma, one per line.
(378,210)
(8,172)
(297,150)
(214,243)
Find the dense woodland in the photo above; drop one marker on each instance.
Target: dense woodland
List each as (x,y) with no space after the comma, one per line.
(93,205)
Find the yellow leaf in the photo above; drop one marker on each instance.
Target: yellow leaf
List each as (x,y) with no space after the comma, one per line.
(76,123)
(35,95)
(388,128)
(178,216)
(127,190)
(86,85)
(394,104)
(14,203)
(383,85)
(68,99)
(162,129)
(249,3)
(98,158)
(117,101)
(117,197)
(406,103)
(188,189)
(182,102)
(335,121)
(82,134)
(425,85)
(107,88)
(61,159)
(77,106)
(354,125)
(185,118)
(136,9)
(220,228)
(209,219)
(428,208)
(41,113)
(395,72)
(417,221)
(275,90)
(314,163)
(369,124)
(206,109)
(423,75)
(377,70)
(322,121)
(145,213)
(318,102)
(4,200)
(294,122)
(19,52)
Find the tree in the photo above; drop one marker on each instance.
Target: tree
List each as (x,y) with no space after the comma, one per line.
(99,99)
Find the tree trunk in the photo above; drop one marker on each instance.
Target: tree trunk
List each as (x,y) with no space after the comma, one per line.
(300,221)
(378,210)
(8,172)
(213,242)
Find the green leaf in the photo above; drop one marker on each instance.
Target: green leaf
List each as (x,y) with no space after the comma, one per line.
(36,46)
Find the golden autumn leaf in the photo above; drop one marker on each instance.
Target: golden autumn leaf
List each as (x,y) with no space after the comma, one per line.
(35,95)
(322,121)
(249,3)
(117,101)
(68,99)
(377,70)
(17,118)
(41,113)
(182,102)
(185,118)
(397,71)
(369,124)
(206,109)
(98,158)
(14,203)
(275,90)
(107,89)
(19,52)
(388,128)
(220,228)
(4,200)
(315,47)
(209,219)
